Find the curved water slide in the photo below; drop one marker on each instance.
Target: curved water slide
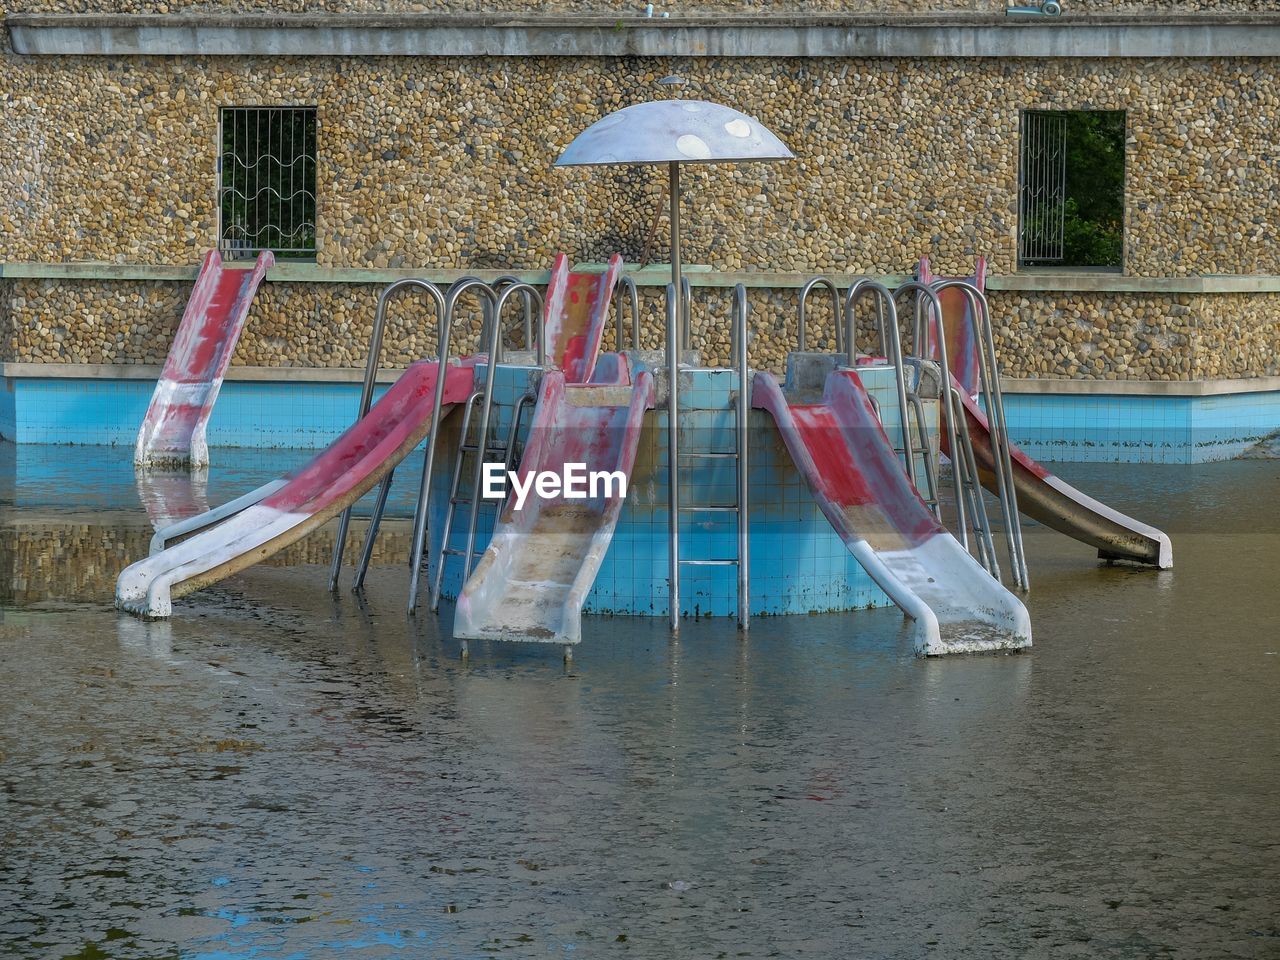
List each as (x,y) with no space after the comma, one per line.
(173,431)
(255,526)
(544,555)
(535,575)
(854,474)
(1041,495)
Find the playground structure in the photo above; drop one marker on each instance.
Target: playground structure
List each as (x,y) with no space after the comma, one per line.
(827,488)
(874,475)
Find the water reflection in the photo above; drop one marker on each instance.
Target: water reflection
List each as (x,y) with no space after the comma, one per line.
(282,773)
(170,496)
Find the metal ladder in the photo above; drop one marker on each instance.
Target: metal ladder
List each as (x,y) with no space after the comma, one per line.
(676,457)
(890,348)
(491,342)
(372,362)
(505,450)
(979,315)
(971,511)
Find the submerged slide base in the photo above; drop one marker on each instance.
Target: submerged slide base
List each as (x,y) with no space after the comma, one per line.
(855,475)
(297,505)
(542,561)
(173,430)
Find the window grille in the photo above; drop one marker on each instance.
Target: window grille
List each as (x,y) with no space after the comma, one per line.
(1042,187)
(267,181)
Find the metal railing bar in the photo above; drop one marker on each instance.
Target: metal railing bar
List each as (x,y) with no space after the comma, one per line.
(821,281)
(372,363)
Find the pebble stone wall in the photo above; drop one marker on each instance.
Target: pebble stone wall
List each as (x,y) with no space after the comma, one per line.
(984,7)
(447,163)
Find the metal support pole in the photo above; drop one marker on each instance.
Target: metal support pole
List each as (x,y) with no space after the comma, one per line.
(741,312)
(673,170)
(673,452)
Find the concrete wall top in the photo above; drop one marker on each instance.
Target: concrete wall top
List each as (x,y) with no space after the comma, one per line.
(220,33)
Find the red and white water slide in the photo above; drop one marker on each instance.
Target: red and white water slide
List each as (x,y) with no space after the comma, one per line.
(261,523)
(1041,495)
(543,559)
(853,472)
(253,527)
(173,431)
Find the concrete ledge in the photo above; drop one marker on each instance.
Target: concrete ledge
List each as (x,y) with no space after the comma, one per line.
(1140,388)
(1086,281)
(144,371)
(281,272)
(654,275)
(149,371)
(505,35)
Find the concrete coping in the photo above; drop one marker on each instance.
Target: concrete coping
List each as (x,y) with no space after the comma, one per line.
(628,34)
(654,275)
(14,370)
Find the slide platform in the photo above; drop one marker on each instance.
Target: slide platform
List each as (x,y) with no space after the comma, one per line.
(173,431)
(858,481)
(299,503)
(1041,495)
(535,575)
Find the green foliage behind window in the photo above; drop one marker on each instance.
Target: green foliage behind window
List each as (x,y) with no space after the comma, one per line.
(1093,227)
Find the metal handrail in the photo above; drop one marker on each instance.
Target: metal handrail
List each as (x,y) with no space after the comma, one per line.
(742,409)
(887,316)
(927,302)
(493,350)
(629,284)
(835,308)
(989,379)
(482,447)
(424,489)
(673,457)
(526,301)
(533,304)
(965,462)
(372,362)
(851,321)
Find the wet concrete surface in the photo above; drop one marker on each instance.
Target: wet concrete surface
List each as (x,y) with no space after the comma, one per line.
(279,773)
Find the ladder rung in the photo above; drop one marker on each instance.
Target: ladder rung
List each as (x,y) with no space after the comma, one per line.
(720,508)
(709,455)
(711,563)
(455,552)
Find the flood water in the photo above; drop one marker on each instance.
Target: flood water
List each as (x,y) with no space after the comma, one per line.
(279,773)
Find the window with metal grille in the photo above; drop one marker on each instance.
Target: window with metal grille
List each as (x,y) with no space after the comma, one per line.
(1071,188)
(267,181)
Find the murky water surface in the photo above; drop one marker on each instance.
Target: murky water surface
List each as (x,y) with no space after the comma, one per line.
(281,774)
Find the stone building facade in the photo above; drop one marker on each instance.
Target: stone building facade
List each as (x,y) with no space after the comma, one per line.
(439,162)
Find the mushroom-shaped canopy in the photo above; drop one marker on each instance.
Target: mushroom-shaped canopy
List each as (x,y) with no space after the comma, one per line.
(662,131)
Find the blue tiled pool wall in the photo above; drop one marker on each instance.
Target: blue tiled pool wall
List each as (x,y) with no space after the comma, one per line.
(8,409)
(247,414)
(1140,429)
(308,416)
(797,563)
